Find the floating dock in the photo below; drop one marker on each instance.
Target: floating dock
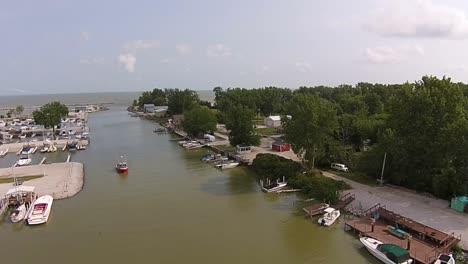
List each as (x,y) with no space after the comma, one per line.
(423,243)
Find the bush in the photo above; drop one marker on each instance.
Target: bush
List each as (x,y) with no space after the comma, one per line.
(275,167)
(318,186)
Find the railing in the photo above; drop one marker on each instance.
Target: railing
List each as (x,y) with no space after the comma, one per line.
(373,209)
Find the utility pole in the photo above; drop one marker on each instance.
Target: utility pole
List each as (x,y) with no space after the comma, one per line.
(383,168)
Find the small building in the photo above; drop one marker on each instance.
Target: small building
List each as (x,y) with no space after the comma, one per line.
(459,204)
(280,146)
(160,111)
(149,108)
(273,121)
(241,149)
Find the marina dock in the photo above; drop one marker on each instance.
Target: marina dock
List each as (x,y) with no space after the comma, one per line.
(423,243)
(17,147)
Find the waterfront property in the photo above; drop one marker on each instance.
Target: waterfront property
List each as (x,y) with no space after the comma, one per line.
(424,243)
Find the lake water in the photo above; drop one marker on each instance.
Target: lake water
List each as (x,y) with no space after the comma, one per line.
(171,208)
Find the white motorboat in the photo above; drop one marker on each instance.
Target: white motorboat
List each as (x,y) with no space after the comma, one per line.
(44,149)
(24,160)
(330,216)
(52,148)
(274,187)
(80,147)
(227,165)
(189,143)
(387,253)
(194,146)
(40,210)
(18,213)
(22,136)
(27,150)
(445,259)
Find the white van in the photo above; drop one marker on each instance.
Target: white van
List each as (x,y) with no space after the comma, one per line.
(338,166)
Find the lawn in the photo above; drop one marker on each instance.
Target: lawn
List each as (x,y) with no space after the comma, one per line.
(267,131)
(25,178)
(356,176)
(226,147)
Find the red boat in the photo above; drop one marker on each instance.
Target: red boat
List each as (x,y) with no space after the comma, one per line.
(121,166)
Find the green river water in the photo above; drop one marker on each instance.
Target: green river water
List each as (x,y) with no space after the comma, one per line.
(171,208)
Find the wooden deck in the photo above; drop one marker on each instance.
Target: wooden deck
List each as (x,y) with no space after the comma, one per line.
(425,243)
(314,210)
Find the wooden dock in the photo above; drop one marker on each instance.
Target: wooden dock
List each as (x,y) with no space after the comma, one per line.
(318,209)
(314,210)
(423,243)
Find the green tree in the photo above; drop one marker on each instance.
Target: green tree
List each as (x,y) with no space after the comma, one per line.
(19,109)
(179,101)
(50,115)
(199,120)
(430,125)
(311,127)
(239,120)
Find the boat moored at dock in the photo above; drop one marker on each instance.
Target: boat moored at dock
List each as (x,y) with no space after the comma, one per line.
(330,216)
(227,165)
(274,187)
(40,210)
(387,253)
(24,160)
(18,213)
(445,259)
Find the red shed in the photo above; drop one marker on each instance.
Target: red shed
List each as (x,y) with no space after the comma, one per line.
(280,146)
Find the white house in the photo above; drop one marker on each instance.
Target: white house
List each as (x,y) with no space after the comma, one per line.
(273,121)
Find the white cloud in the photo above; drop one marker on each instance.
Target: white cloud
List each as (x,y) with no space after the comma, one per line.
(141,45)
(303,66)
(19,91)
(183,49)
(129,61)
(262,69)
(388,54)
(84,35)
(91,61)
(218,51)
(417,19)
(166,60)
(463,68)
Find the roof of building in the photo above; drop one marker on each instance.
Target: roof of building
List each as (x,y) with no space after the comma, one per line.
(275,118)
(148,105)
(279,142)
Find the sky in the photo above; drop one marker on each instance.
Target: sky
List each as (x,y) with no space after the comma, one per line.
(101,46)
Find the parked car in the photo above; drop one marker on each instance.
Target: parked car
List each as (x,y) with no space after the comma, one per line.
(338,166)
